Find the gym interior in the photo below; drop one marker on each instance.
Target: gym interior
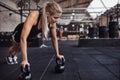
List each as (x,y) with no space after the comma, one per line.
(88,35)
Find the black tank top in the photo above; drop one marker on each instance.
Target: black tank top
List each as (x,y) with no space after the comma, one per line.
(33,33)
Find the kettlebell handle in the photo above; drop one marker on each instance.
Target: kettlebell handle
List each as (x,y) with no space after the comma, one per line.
(60,61)
(26,69)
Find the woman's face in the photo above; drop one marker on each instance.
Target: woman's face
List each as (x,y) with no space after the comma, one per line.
(53,18)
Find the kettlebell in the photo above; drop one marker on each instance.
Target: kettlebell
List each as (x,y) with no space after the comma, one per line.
(25,73)
(60,65)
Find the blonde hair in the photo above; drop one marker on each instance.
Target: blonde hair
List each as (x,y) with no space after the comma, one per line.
(52,8)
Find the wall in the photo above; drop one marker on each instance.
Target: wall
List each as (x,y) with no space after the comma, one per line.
(103,21)
(8,19)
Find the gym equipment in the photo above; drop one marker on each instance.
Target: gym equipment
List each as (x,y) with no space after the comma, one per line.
(60,65)
(103,32)
(113,29)
(93,32)
(26,73)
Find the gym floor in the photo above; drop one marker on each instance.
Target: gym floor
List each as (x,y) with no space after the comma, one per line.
(82,63)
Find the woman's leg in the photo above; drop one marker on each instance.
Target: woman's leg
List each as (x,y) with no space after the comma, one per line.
(13,50)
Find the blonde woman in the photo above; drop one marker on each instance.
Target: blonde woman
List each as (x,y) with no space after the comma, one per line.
(35,23)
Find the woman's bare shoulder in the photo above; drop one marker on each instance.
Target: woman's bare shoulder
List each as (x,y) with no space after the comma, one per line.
(34,13)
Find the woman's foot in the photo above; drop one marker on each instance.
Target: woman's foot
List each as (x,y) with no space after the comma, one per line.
(11,60)
(15,60)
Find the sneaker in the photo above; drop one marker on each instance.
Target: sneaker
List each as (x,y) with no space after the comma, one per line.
(15,60)
(9,60)
(43,45)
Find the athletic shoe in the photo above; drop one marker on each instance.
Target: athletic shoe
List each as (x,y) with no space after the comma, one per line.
(43,46)
(15,60)
(9,60)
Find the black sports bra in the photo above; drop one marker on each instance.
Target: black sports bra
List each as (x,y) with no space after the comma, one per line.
(33,33)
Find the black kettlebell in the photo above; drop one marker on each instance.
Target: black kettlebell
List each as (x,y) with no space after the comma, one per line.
(60,65)
(25,73)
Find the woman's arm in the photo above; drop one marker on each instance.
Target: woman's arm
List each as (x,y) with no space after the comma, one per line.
(55,40)
(30,21)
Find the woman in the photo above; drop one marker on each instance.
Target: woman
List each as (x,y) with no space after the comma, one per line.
(34,23)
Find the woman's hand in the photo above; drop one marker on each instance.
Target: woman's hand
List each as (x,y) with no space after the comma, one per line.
(60,56)
(24,63)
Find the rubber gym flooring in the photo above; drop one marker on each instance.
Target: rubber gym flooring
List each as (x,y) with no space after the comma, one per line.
(82,63)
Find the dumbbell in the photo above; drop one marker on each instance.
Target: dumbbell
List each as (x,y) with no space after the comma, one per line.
(60,65)
(25,73)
